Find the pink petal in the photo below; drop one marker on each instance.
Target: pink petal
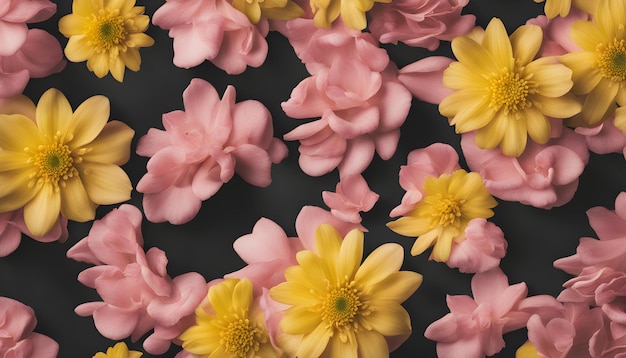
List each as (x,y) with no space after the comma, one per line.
(424,78)
(12,37)
(115,323)
(30,11)
(12,84)
(267,242)
(178,205)
(194,43)
(41,55)
(253,164)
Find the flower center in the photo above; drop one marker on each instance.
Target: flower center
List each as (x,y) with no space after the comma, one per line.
(106,30)
(54,162)
(240,337)
(508,90)
(446,211)
(341,306)
(612,60)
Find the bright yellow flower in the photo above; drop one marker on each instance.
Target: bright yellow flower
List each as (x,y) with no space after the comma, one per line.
(269,9)
(352,12)
(107,34)
(59,161)
(448,205)
(503,94)
(599,70)
(228,325)
(340,307)
(119,350)
(561,8)
(527,350)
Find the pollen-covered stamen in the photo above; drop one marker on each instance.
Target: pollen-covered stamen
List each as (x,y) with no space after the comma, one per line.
(106,30)
(54,163)
(611,60)
(342,305)
(241,336)
(509,90)
(445,211)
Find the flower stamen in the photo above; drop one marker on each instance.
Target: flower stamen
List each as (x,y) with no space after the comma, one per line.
(106,30)
(241,336)
(54,162)
(611,60)
(509,90)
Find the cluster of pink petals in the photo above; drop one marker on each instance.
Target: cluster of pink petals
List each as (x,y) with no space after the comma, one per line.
(25,52)
(17,339)
(419,23)
(483,244)
(352,196)
(354,92)
(12,226)
(137,293)
(202,148)
(544,176)
(213,30)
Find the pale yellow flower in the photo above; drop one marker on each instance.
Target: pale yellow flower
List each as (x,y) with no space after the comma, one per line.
(269,9)
(599,69)
(62,162)
(119,350)
(340,307)
(554,8)
(352,12)
(449,203)
(107,34)
(502,93)
(229,325)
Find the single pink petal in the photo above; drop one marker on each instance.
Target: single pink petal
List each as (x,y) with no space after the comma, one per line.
(177,205)
(267,242)
(30,11)
(41,55)
(12,84)
(115,323)
(155,140)
(194,43)
(43,346)
(253,164)
(12,37)
(207,180)
(358,156)
(10,235)
(424,78)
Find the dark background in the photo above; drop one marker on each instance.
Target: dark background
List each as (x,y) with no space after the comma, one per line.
(40,275)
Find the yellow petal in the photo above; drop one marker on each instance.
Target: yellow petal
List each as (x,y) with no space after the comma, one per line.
(496,42)
(14,191)
(382,262)
(350,254)
(131,58)
(139,39)
(242,295)
(620,119)
(314,343)
(300,320)
(473,55)
(553,80)
(389,318)
(409,226)
(584,75)
(72,25)
(98,63)
(489,136)
(19,104)
(537,125)
(587,35)
(78,49)
(338,348)
(443,245)
(86,7)
(598,101)
(559,107)
(117,68)
(371,345)
(88,120)
(53,113)
(398,286)
(290,11)
(75,203)
(514,140)
(293,294)
(42,212)
(105,183)
(221,295)
(112,145)
(18,132)
(352,15)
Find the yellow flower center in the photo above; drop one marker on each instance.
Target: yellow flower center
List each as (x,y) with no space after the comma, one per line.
(612,60)
(341,306)
(509,90)
(240,337)
(444,210)
(54,163)
(106,30)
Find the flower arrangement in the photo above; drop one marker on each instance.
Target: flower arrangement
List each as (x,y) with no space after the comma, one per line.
(343,178)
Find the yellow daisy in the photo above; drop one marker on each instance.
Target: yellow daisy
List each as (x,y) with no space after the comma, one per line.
(228,325)
(449,203)
(269,9)
(340,307)
(61,161)
(554,8)
(501,93)
(599,70)
(107,34)
(352,12)
(119,350)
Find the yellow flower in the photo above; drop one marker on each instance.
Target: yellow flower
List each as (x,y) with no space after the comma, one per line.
(527,350)
(228,325)
(119,350)
(270,9)
(503,94)
(562,8)
(448,205)
(352,12)
(599,70)
(107,34)
(340,307)
(61,161)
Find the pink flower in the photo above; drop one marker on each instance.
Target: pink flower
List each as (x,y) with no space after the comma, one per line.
(544,176)
(361,111)
(212,30)
(17,322)
(420,23)
(607,343)
(26,53)
(352,196)
(137,294)
(474,327)
(481,250)
(202,148)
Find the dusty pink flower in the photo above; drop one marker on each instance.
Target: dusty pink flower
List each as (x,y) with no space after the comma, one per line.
(212,30)
(202,148)
(481,249)
(26,53)
(361,112)
(351,196)
(474,326)
(137,293)
(544,176)
(17,322)
(607,343)
(420,23)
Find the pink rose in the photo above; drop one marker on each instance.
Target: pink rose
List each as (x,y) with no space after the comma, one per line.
(17,322)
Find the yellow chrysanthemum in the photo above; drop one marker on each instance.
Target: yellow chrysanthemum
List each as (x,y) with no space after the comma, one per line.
(119,350)
(107,34)
(352,12)
(527,350)
(599,70)
(228,325)
(269,9)
(448,205)
(554,8)
(503,94)
(59,161)
(340,307)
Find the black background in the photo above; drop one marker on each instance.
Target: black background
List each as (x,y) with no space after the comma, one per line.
(40,275)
